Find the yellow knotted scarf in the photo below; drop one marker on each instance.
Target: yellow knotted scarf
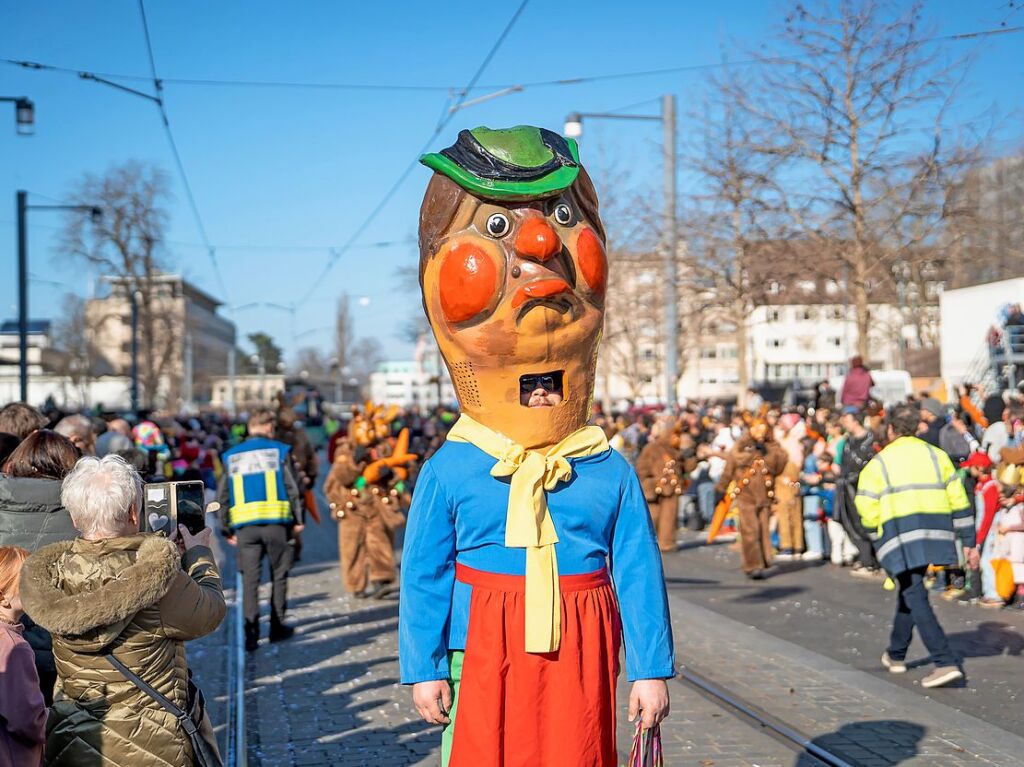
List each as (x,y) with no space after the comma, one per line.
(528,523)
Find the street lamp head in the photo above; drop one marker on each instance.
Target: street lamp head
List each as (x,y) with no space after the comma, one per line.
(96,215)
(254,359)
(25,116)
(573,125)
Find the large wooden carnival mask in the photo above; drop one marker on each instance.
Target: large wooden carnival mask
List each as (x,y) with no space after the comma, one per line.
(513,273)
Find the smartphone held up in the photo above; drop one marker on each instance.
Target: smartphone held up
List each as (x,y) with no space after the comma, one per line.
(169,504)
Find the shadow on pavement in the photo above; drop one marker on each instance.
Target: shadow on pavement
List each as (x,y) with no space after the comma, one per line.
(988,639)
(883,742)
(770,594)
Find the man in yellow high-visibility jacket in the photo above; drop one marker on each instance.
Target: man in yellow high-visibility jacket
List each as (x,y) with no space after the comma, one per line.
(910,496)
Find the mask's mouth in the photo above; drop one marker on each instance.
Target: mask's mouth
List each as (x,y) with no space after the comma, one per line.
(553,293)
(541,389)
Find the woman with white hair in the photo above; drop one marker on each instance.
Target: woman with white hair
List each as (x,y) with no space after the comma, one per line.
(116,591)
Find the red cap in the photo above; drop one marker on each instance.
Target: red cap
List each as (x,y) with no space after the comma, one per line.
(981,460)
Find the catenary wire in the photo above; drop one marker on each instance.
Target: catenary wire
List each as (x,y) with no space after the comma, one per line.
(210,81)
(446,117)
(157,85)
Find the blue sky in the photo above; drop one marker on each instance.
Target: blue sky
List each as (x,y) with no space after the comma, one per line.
(295,171)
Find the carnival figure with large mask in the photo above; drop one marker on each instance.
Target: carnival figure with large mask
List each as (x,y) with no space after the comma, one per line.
(529,555)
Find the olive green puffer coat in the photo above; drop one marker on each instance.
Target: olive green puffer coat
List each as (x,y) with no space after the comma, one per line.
(134,597)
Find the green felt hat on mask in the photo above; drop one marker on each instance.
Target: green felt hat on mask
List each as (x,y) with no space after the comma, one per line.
(520,163)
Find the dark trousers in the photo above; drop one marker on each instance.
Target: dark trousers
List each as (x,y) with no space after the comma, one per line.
(914,609)
(254,543)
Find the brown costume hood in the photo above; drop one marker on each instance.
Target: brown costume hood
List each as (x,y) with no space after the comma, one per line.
(87,592)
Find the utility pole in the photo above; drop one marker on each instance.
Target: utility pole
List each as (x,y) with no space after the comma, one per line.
(189,372)
(23,295)
(668,120)
(133,297)
(22,222)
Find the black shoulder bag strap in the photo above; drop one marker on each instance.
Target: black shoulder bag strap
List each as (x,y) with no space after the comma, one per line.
(184,720)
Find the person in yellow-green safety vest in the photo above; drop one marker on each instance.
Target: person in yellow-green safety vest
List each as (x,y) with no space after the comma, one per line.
(260,513)
(912,500)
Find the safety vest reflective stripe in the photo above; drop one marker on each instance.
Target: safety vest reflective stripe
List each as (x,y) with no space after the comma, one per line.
(910,537)
(267,510)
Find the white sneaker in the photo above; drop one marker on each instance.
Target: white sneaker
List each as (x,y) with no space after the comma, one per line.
(812,556)
(942,676)
(894,666)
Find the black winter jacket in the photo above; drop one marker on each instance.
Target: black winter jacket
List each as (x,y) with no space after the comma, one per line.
(32,517)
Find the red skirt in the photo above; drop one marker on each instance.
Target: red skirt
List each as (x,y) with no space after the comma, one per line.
(519,709)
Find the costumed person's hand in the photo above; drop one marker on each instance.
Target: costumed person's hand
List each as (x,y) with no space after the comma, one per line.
(649,699)
(298,528)
(230,540)
(433,700)
(202,538)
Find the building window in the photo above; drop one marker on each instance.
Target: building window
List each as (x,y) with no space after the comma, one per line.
(648,354)
(773,315)
(727,352)
(831,287)
(708,354)
(809,313)
(836,312)
(834,341)
(774,288)
(775,343)
(807,286)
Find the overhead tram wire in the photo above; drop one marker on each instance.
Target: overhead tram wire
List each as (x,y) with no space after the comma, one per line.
(224,82)
(158,87)
(446,117)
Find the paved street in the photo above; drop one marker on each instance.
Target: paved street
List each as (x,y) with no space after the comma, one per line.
(801,646)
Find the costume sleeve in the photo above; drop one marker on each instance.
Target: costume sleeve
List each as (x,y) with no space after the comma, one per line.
(428,579)
(640,585)
(869,496)
(990,503)
(22,710)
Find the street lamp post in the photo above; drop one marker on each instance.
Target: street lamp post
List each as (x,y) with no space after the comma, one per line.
(24,114)
(574,129)
(22,218)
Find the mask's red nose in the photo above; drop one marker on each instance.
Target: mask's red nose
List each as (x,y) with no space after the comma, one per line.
(537,240)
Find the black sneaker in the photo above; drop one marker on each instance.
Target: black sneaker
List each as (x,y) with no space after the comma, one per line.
(280,631)
(252,635)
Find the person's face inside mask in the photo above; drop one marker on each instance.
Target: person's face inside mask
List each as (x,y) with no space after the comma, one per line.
(542,390)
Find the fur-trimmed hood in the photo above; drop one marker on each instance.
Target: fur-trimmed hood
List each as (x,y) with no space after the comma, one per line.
(86,592)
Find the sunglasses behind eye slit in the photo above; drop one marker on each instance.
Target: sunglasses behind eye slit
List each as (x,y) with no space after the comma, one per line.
(530,383)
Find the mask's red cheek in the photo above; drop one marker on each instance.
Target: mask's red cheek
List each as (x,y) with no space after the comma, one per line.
(592,261)
(468,282)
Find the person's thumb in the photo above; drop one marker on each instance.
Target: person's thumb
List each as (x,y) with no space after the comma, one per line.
(634,705)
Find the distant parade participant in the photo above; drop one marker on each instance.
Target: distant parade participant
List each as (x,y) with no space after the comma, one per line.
(260,511)
(509,627)
(912,499)
(367,490)
(752,468)
(660,469)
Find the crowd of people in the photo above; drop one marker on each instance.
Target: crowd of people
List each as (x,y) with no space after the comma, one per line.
(793,482)
(791,473)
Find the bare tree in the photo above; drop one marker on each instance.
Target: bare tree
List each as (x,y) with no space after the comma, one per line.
(312,362)
(367,355)
(125,245)
(75,355)
(344,336)
(856,106)
(731,222)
